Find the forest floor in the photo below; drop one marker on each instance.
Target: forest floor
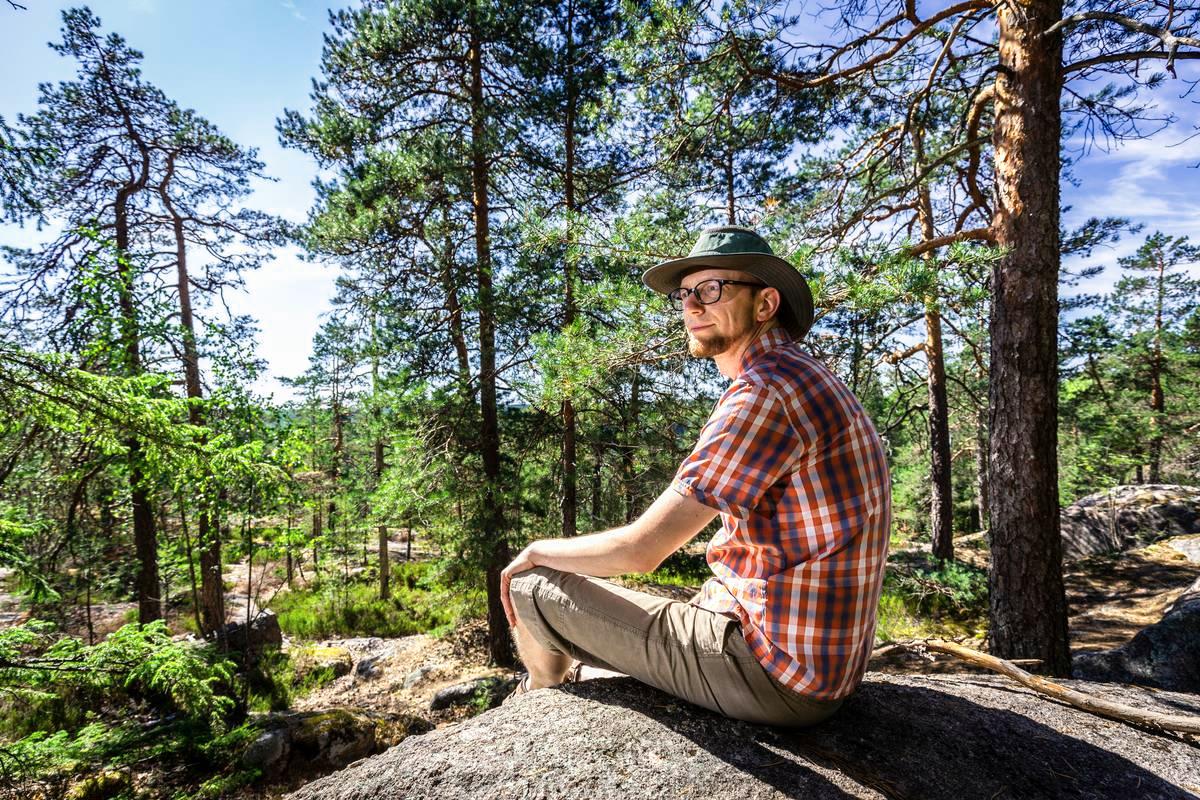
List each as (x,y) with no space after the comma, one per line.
(1110,599)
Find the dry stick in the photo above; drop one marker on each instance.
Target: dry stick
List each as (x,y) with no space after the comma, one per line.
(1179,723)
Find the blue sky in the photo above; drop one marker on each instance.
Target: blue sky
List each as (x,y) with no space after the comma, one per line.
(240,63)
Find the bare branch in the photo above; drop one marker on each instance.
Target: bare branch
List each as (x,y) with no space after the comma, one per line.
(975,234)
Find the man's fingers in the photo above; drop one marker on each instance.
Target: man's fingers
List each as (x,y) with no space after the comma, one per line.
(505,600)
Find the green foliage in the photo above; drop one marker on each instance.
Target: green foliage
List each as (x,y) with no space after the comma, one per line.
(420,603)
(276,681)
(138,696)
(681,568)
(59,679)
(937,589)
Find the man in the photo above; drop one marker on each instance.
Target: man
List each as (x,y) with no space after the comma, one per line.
(782,632)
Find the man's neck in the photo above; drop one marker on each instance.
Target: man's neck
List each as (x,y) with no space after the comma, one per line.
(729,362)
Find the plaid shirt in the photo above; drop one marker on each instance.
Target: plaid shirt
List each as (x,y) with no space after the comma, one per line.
(799,475)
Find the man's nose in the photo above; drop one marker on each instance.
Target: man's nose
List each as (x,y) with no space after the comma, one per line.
(690,303)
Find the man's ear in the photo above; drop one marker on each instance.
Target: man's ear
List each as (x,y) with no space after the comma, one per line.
(767,304)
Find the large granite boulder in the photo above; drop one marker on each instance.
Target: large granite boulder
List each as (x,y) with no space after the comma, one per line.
(932,737)
(1165,655)
(1126,517)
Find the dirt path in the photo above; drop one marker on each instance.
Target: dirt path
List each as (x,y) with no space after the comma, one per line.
(1110,600)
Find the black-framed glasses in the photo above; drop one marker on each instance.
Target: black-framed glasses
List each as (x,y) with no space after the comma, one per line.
(707,292)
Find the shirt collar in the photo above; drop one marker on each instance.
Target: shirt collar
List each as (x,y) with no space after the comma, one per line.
(766,342)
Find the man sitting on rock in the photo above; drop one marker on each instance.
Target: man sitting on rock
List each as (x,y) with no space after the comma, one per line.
(782,632)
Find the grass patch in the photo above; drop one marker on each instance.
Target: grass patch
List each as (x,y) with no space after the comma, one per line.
(679,569)
(923,597)
(278,679)
(420,603)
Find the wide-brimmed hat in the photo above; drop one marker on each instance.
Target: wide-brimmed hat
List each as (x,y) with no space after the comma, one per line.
(732,247)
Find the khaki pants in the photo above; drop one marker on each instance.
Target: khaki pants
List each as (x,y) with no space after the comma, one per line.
(684,650)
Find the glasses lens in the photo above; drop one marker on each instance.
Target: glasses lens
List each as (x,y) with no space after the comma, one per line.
(675,298)
(708,291)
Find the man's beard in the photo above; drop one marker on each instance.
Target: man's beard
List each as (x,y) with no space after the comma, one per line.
(714,345)
(710,347)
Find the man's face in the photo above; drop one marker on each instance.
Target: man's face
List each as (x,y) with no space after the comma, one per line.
(716,327)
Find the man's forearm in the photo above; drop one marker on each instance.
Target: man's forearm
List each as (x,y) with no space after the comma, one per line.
(598,554)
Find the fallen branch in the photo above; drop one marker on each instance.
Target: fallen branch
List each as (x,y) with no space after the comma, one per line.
(1178,723)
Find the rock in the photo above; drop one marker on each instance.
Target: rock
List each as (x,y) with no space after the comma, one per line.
(1165,655)
(488,691)
(369,667)
(318,741)
(264,632)
(935,737)
(311,658)
(420,673)
(1189,546)
(1125,517)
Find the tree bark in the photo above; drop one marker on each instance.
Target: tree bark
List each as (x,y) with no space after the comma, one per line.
(981,467)
(629,449)
(212,613)
(145,535)
(941,499)
(570,504)
(1028,610)
(941,496)
(1157,367)
(499,641)
(385,588)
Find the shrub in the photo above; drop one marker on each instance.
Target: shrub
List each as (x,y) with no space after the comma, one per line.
(420,603)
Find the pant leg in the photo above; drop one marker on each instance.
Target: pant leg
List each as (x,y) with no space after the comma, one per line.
(682,649)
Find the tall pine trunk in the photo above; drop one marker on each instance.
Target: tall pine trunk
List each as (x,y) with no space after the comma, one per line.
(941,495)
(570,503)
(145,534)
(212,591)
(1028,609)
(499,641)
(941,498)
(385,567)
(1157,366)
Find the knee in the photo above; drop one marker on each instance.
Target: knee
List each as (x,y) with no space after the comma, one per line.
(530,588)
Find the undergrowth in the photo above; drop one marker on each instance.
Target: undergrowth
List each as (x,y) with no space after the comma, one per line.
(924,596)
(420,603)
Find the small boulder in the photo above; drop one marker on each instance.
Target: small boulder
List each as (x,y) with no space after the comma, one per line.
(320,741)
(488,692)
(309,659)
(262,632)
(420,673)
(1165,655)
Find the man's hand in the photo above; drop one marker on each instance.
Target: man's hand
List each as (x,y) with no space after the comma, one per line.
(640,546)
(523,562)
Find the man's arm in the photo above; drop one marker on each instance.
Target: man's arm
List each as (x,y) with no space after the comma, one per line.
(668,524)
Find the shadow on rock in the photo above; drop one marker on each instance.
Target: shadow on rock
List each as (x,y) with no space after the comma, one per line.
(907,741)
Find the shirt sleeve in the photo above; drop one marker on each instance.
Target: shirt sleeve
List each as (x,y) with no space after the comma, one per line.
(746,447)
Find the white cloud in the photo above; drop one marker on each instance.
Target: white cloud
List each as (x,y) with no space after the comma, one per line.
(143,6)
(290,5)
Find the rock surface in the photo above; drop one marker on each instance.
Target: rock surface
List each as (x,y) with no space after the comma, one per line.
(316,657)
(929,737)
(488,691)
(1125,517)
(1165,655)
(262,632)
(314,741)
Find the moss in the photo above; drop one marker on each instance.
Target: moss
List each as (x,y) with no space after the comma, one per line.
(101,786)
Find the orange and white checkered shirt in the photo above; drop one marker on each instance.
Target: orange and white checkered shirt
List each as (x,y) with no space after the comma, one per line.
(799,475)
